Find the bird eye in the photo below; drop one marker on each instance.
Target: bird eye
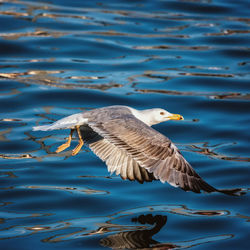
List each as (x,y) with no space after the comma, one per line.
(161,113)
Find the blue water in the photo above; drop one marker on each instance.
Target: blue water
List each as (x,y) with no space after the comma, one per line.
(63,57)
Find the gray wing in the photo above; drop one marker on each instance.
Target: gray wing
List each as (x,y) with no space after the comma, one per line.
(150,150)
(120,162)
(116,159)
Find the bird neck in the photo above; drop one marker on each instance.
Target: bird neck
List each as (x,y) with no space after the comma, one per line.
(143,115)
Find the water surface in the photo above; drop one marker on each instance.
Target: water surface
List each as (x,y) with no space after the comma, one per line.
(63,57)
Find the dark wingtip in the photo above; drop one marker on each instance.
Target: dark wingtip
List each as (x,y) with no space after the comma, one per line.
(233,192)
(204,186)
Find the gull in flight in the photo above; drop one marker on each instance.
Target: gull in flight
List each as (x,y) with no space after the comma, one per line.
(123,138)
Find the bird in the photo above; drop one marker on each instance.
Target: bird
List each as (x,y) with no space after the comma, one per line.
(124,139)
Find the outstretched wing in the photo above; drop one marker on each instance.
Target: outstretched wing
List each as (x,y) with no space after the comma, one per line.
(116,159)
(150,150)
(120,162)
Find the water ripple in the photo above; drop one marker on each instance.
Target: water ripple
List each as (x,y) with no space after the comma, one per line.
(63,57)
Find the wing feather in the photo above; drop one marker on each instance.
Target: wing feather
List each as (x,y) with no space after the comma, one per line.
(118,160)
(152,151)
(124,169)
(130,169)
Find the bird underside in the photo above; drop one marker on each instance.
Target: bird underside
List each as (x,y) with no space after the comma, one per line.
(125,161)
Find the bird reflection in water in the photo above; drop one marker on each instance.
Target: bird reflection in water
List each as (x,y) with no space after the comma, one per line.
(140,238)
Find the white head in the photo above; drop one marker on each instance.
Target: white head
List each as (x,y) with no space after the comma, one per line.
(155,116)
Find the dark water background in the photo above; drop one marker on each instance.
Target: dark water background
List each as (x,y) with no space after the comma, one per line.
(62,57)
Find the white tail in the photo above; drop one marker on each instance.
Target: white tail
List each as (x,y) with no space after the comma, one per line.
(43,128)
(68,122)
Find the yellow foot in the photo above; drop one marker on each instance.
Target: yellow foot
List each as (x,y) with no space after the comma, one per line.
(76,150)
(66,144)
(62,147)
(80,144)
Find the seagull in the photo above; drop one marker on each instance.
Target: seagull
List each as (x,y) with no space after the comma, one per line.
(123,138)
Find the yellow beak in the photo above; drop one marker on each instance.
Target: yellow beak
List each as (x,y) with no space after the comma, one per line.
(175,117)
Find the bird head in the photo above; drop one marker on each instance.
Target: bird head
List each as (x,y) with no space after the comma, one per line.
(158,115)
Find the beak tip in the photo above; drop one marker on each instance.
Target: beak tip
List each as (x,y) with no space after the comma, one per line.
(176,117)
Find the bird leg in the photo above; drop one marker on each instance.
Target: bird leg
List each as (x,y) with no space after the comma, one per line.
(66,144)
(80,144)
